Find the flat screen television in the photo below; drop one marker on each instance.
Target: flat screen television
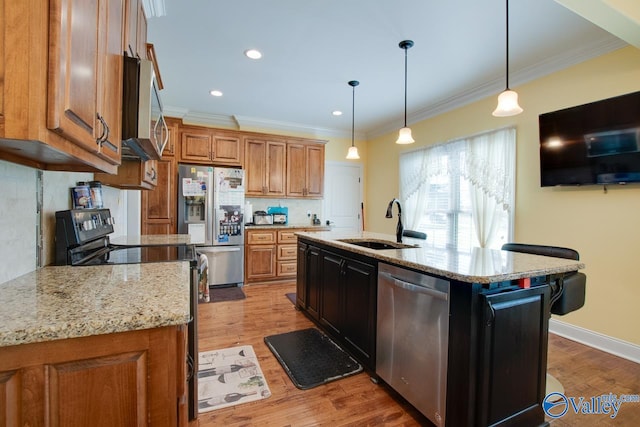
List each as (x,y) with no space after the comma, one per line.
(591,144)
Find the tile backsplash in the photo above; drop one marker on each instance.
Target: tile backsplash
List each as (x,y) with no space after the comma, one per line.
(19,223)
(298,208)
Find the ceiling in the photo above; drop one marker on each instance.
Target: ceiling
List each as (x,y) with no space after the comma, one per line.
(311,49)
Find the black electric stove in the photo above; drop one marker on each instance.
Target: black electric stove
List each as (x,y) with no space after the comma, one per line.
(82,239)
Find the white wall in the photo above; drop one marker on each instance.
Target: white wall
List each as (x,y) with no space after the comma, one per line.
(603,227)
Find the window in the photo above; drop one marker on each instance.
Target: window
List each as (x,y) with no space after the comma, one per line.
(461,193)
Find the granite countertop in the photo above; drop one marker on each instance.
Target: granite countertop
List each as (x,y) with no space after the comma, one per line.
(60,302)
(478,266)
(152,239)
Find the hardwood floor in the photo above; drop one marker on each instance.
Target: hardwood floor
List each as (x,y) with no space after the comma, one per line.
(356,400)
(587,372)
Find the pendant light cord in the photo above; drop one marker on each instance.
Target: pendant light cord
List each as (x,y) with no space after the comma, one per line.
(507,44)
(353,112)
(405,86)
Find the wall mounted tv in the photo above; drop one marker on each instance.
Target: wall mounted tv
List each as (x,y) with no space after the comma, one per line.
(595,143)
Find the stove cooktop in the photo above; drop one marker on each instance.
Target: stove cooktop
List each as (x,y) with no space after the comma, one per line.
(142,254)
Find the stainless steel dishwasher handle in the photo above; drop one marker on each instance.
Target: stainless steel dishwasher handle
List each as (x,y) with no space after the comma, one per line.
(412,287)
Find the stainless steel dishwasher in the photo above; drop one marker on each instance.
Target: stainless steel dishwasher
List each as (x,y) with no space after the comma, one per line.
(412,338)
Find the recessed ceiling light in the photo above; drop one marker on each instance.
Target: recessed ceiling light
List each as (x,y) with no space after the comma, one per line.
(253,54)
(215,93)
(336,113)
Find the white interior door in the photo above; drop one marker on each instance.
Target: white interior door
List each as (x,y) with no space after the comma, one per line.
(343,196)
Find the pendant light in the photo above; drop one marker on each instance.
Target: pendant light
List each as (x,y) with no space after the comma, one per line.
(352,154)
(508,99)
(404,137)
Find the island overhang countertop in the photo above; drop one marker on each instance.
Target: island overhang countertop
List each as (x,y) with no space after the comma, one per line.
(61,302)
(479,265)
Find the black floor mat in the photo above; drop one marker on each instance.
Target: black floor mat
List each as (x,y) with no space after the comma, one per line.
(232,293)
(310,358)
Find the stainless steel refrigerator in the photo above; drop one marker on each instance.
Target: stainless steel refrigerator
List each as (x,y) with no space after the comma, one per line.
(210,210)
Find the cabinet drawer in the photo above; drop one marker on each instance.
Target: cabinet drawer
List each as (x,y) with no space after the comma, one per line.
(286,268)
(287,252)
(258,237)
(287,236)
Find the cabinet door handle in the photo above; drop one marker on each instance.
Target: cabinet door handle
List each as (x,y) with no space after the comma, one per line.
(103,140)
(166,134)
(104,130)
(492,313)
(152,174)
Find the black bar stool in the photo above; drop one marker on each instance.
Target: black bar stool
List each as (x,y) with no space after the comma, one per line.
(567,292)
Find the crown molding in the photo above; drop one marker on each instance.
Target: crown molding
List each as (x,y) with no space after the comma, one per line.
(548,66)
(154,8)
(257,124)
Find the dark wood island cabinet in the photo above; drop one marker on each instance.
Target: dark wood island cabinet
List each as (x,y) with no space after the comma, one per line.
(497,321)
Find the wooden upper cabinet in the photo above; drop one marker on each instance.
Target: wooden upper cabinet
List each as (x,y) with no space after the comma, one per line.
(141,31)
(195,145)
(85,74)
(133,174)
(265,167)
(173,128)
(61,67)
(206,146)
(305,170)
(227,149)
(159,206)
(135,29)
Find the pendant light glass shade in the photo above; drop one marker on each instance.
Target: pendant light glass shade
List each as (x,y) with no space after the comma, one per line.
(352,154)
(507,104)
(404,136)
(508,99)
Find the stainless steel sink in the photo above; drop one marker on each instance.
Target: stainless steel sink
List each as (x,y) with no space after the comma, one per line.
(377,244)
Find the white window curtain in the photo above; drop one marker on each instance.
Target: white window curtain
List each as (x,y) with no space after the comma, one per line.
(464,184)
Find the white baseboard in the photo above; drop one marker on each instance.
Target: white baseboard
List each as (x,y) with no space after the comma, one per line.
(602,342)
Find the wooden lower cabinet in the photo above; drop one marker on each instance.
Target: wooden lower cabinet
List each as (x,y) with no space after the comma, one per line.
(513,355)
(341,296)
(308,279)
(271,255)
(133,378)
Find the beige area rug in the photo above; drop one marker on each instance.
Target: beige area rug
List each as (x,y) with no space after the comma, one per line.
(228,377)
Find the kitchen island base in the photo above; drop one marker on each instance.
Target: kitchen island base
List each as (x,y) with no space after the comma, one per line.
(497,337)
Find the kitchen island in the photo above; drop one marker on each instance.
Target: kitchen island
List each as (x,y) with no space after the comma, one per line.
(79,344)
(484,360)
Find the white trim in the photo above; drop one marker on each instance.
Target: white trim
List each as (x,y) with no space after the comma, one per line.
(253,123)
(154,8)
(602,342)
